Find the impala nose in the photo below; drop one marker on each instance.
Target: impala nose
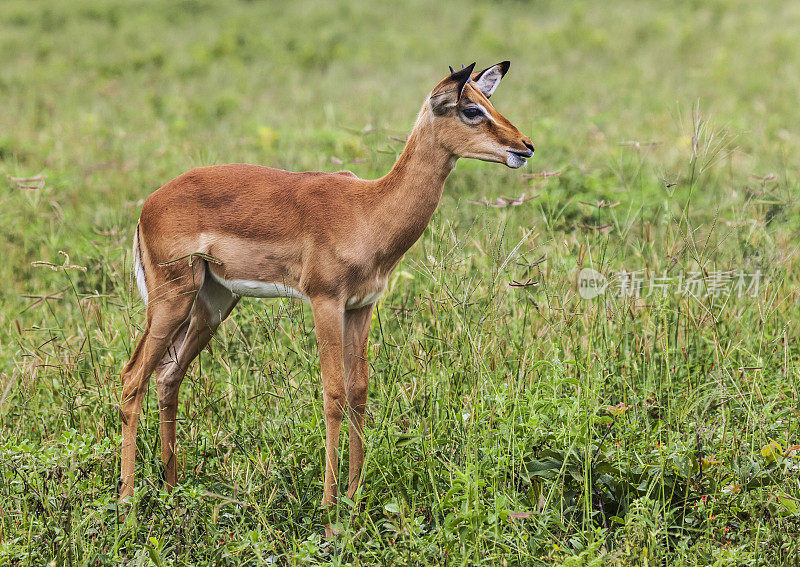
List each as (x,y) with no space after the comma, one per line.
(528,153)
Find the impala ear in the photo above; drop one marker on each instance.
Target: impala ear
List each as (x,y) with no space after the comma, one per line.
(488,79)
(461,78)
(447,93)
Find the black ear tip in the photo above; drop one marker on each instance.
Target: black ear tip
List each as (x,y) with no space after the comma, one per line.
(463,69)
(503,67)
(461,77)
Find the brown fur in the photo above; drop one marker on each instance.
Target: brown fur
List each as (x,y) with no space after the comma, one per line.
(330,236)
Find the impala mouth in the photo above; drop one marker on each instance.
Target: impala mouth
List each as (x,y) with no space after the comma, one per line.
(517,159)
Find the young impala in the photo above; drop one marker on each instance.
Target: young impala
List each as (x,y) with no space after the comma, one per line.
(215,234)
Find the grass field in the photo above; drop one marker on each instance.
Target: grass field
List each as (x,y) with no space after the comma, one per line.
(507,424)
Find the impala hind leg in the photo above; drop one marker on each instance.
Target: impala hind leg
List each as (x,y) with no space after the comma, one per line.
(214,303)
(328,320)
(356,333)
(164,319)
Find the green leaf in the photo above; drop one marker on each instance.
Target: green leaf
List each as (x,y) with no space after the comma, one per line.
(405,440)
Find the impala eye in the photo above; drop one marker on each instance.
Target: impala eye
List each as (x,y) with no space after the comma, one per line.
(472,113)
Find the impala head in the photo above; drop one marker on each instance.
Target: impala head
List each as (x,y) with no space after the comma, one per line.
(467,124)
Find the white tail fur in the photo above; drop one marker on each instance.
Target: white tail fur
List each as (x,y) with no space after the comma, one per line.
(138,270)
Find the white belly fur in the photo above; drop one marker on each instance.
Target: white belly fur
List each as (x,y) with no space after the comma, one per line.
(247,288)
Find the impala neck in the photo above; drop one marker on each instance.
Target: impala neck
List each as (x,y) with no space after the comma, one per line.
(413,188)
(424,164)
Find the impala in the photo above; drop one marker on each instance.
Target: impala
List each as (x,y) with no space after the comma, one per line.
(215,234)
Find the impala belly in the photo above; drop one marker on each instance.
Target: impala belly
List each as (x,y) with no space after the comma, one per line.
(269,290)
(247,288)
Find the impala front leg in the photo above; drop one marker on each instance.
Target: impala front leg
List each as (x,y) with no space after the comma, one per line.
(328,318)
(356,332)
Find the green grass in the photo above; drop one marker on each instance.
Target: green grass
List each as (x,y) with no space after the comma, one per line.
(506,425)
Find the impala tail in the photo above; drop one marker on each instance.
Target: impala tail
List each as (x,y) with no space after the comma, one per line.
(138,268)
